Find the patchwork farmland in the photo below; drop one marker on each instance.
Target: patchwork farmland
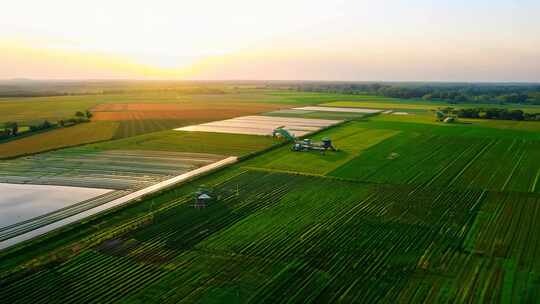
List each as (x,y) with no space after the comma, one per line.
(140,118)
(406,210)
(117,116)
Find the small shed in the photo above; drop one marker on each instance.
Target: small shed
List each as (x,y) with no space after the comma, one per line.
(202,200)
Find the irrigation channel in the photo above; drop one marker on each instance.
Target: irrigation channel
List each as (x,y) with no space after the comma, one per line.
(30,229)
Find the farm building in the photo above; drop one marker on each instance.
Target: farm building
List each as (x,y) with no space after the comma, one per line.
(202,200)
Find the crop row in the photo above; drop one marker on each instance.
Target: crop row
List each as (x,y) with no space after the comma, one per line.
(273,237)
(499,263)
(450,161)
(128,128)
(362,246)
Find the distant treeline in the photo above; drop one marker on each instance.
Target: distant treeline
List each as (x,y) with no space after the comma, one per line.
(10,129)
(492,113)
(52,88)
(452,93)
(15,94)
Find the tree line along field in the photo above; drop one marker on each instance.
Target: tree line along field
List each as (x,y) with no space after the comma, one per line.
(421,105)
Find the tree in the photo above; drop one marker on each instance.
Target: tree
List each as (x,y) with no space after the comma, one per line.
(79,114)
(89,114)
(427,97)
(516,115)
(13,127)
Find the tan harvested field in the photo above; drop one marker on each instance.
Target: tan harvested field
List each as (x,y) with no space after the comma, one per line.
(189,115)
(262,125)
(59,138)
(140,118)
(184,106)
(186,111)
(35,109)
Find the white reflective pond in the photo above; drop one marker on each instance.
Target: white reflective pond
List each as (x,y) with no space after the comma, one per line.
(20,202)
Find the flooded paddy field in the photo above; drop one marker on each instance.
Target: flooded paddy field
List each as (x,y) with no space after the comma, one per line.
(262,125)
(22,202)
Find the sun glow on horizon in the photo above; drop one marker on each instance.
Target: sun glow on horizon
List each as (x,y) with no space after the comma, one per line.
(241,39)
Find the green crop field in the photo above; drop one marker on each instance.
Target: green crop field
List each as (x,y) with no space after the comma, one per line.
(131,128)
(273,227)
(448,161)
(408,210)
(350,139)
(277,237)
(197,142)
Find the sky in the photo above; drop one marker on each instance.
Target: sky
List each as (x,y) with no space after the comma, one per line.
(384,40)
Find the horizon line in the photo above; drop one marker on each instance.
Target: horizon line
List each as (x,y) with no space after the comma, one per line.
(23,79)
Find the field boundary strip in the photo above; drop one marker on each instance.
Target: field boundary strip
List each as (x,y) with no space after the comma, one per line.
(339,109)
(307,174)
(117,202)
